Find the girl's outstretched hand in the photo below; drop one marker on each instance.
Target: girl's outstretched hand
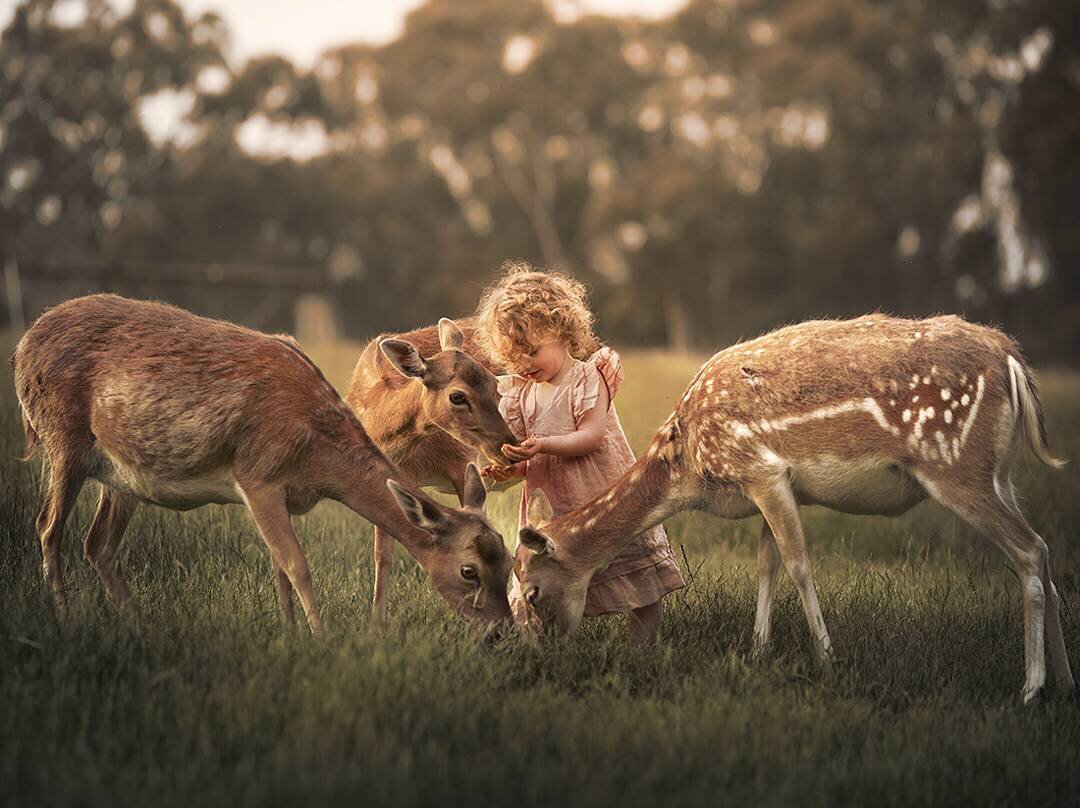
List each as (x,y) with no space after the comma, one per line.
(503,473)
(523,451)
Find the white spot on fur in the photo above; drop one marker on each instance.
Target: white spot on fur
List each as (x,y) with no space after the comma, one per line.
(906,416)
(770,457)
(965,399)
(926,380)
(741,430)
(948,416)
(943,447)
(946,394)
(867,405)
(974,410)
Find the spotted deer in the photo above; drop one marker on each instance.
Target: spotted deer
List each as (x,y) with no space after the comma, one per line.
(170,409)
(865,416)
(428,399)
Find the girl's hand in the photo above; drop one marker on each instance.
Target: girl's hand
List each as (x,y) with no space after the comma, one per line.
(525,450)
(503,473)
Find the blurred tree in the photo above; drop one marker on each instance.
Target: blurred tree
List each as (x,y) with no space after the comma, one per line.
(711,175)
(76,158)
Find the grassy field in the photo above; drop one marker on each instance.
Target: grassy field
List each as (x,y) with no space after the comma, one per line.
(205,699)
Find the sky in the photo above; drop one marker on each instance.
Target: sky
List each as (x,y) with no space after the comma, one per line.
(302,29)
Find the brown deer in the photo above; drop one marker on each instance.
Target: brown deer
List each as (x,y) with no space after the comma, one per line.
(167,408)
(870,415)
(429,401)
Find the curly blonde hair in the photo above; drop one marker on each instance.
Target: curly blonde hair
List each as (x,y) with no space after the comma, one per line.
(526,302)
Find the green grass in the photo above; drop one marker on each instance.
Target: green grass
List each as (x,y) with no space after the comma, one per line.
(205,699)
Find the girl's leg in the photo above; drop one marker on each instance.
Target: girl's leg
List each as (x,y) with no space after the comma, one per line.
(645,624)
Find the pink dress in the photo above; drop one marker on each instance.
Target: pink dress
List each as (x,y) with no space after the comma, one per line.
(645,570)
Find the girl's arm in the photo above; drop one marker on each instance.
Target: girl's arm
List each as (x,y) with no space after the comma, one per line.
(582,441)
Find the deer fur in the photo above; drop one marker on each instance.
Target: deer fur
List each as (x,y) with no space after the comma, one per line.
(163,407)
(400,391)
(866,416)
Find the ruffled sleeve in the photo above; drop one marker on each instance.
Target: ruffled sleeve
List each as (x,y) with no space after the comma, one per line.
(605,367)
(510,390)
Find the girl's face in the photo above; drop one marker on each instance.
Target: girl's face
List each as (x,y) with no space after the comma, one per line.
(544,362)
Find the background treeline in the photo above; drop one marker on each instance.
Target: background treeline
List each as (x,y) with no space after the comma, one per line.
(711,175)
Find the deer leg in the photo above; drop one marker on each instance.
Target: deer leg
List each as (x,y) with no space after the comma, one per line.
(284,595)
(384,562)
(65,482)
(993,516)
(267,506)
(102,543)
(1059,658)
(1054,636)
(768,564)
(777,504)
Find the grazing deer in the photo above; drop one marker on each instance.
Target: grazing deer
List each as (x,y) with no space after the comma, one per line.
(431,416)
(164,407)
(870,416)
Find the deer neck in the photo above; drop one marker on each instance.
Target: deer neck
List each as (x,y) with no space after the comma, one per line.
(360,476)
(399,423)
(649,492)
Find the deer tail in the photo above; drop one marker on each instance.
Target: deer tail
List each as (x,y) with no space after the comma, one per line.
(1028,408)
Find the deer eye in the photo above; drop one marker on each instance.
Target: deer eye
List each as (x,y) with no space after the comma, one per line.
(532,595)
(457,398)
(468,572)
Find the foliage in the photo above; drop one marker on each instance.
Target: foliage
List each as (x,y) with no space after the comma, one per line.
(713,174)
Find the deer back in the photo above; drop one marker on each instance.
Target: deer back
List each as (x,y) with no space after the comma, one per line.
(161,389)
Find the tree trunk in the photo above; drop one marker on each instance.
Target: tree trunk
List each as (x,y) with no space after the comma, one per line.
(677,322)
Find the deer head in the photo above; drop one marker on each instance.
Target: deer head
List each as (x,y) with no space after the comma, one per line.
(467,560)
(459,394)
(553,582)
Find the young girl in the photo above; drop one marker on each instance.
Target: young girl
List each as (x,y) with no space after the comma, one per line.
(573,446)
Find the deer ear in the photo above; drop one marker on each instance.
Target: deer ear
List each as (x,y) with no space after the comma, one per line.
(535,541)
(422,512)
(450,336)
(474,493)
(404,356)
(539,511)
